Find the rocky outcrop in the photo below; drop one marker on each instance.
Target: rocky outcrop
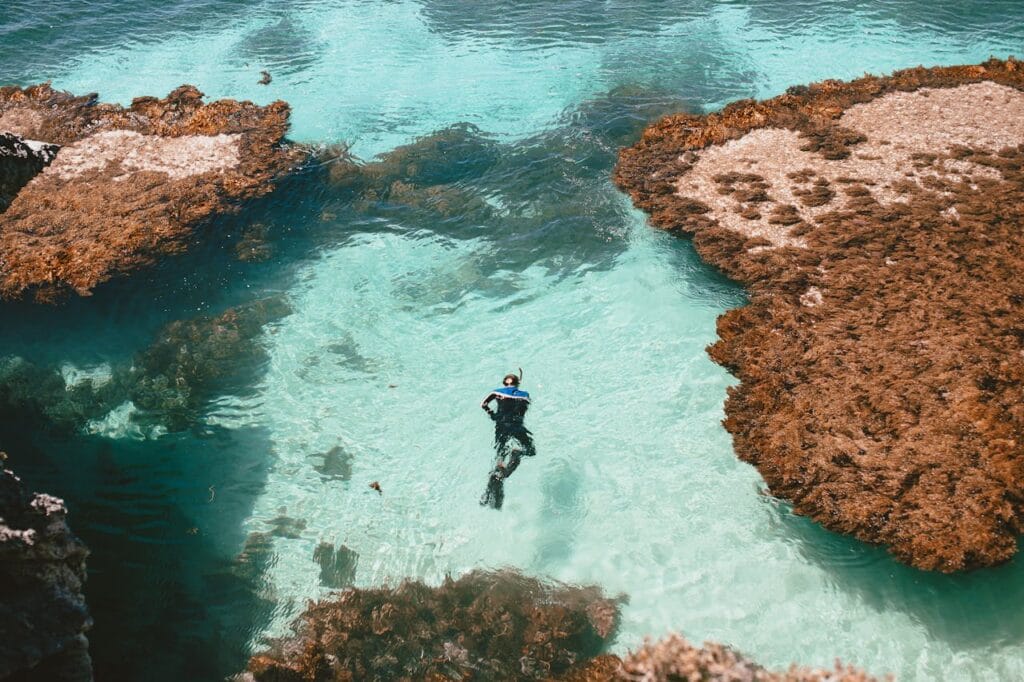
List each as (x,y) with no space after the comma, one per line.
(485,625)
(877,225)
(129,184)
(43,617)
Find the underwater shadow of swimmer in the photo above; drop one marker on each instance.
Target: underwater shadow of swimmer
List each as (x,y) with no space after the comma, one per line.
(975,610)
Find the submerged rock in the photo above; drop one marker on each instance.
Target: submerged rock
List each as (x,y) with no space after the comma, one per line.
(673,659)
(165,387)
(485,625)
(337,464)
(33,394)
(877,227)
(43,616)
(284,526)
(129,185)
(192,360)
(337,566)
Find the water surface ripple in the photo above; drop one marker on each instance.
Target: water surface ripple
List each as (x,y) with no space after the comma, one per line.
(413,294)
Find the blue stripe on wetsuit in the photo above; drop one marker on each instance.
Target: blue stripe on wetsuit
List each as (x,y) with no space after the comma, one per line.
(512,392)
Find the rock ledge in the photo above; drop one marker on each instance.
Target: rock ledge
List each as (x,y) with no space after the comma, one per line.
(877,225)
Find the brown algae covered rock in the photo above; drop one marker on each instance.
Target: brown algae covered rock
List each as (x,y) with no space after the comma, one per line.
(877,225)
(129,185)
(485,625)
(673,659)
(43,616)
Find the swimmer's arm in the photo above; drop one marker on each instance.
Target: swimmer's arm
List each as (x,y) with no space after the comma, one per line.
(486,404)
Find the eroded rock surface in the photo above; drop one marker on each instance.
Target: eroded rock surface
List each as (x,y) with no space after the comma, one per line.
(499,626)
(877,225)
(129,185)
(43,616)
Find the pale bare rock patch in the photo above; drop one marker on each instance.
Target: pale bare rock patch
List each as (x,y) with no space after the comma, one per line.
(177,157)
(811,298)
(907,132)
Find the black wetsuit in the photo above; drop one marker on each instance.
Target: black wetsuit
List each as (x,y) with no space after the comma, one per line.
(508,426)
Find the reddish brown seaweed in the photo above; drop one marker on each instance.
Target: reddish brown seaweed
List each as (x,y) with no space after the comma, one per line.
(880,355)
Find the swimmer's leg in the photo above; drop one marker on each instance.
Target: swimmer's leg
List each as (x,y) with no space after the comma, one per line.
(494,495)
(514,458)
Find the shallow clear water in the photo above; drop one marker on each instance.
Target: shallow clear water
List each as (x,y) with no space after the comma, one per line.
(404,318)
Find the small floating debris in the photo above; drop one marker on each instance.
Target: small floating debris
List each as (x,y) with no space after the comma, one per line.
(376,486)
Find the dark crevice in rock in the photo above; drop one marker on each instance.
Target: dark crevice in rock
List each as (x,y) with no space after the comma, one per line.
(20,161)
(43,616)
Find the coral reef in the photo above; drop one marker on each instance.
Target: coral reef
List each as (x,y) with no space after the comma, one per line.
(192,359)
(129,185)
(43,616)
(485,625)
(877,227)
(167,385)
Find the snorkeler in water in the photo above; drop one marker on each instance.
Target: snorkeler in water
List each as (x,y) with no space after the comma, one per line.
(512,404)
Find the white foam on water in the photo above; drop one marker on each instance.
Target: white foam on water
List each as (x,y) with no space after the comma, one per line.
(120,423)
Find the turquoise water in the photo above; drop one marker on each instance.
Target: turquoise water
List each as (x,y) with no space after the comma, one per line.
(404,317)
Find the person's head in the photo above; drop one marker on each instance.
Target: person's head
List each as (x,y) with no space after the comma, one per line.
(510,380)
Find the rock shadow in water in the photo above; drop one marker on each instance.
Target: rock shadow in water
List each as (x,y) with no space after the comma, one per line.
(972,611)
(337,566)
(168,599)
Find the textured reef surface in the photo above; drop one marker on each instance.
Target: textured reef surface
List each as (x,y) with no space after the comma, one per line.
(877,227)
(128,185)
(164,387)
(485,625)
(492,625)
(43,617)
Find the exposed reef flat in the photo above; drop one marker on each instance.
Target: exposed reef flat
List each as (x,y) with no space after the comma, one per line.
(485,625)
(128,185)
(492,625)
(43,617)
(877,225)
